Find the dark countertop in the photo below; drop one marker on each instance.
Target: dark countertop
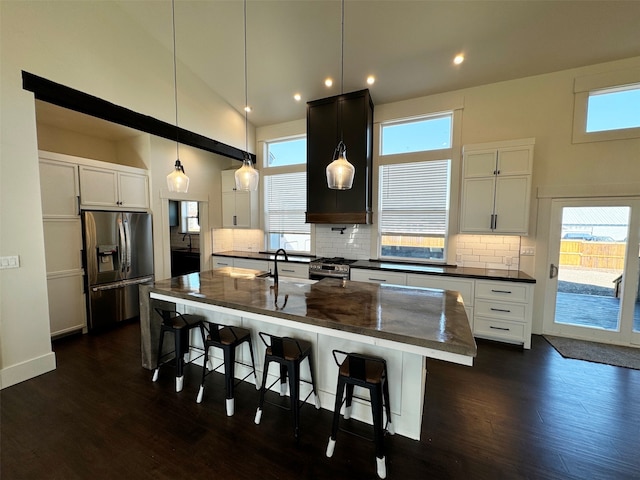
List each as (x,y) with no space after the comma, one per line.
(429,318)
(264,256)
(449,271)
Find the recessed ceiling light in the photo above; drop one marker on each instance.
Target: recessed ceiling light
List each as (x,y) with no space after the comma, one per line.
(371,80)
(297,97)
(458,59)
(247,109)
(328,82)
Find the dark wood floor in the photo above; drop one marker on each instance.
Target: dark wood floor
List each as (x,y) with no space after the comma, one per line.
(515,414)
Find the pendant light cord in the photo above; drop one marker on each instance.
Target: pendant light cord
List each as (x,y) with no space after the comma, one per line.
(175,72)
(246,88)
(342,53)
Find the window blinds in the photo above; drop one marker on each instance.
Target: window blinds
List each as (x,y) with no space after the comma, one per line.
(286,203)
(414,198)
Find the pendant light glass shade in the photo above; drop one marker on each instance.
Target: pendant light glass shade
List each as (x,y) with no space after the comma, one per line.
(177,181)
(247,177)
(340,172)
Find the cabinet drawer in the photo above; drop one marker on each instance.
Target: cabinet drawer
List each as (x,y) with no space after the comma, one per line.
(499,329)
(297,270)
(503,310)
(507,291)
(262,265)
(465,287)
(219,262)
(377,276)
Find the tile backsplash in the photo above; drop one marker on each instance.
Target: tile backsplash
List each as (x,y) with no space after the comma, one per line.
(481,251)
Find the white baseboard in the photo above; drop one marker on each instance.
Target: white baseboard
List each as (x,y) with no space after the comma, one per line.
(26,370)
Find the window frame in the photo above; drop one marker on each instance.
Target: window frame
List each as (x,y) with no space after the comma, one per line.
(281,170)
(596,84)
(453,154)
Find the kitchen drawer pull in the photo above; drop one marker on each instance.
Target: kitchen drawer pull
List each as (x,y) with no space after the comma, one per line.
(500,310)
(499,328)
(290,271)
(501,291)
(378,279)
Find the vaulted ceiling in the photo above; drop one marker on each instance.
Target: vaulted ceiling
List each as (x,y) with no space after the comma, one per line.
(292,46)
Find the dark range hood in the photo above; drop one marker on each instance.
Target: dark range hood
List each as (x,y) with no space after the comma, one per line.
(348,117)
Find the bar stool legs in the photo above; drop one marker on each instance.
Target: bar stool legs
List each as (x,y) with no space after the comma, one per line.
(289,354)
(227,338)
(371,373)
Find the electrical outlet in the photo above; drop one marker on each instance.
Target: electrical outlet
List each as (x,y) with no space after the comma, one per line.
(528,251)
(10,262)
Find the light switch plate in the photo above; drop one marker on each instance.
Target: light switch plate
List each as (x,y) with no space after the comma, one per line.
(527,251)
(10,262)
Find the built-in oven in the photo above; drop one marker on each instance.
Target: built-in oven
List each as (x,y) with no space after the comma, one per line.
(336,267)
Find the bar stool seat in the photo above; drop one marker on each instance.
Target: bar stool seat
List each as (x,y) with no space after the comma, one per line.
(180,325)
(368,372)
(227,338)
(289,353)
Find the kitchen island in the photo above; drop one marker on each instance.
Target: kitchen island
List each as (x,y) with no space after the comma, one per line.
(405,325)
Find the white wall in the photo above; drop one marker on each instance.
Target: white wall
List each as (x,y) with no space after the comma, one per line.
(95,48)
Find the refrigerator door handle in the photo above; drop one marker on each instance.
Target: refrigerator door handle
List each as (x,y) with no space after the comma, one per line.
(122,251)
(123,283)
(127,232)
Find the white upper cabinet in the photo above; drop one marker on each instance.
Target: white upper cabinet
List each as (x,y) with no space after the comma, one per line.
(239,208)
(496,188)
(59,189)
(102,187)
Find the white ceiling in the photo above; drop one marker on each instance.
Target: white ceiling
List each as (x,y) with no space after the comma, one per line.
(292,46)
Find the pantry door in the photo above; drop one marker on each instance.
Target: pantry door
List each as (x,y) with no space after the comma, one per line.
(593,287)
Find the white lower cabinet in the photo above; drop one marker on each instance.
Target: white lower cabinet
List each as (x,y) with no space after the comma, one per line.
(463,285)
(295,270)
(262,265)
(378,276)
(503,311)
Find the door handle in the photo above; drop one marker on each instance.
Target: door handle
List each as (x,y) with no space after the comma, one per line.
(553,271)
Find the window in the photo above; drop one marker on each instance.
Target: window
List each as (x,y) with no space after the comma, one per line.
(607,106)
(189,217)
(414,210)
(613,109)
(417,135)
(286,152)
(285,207)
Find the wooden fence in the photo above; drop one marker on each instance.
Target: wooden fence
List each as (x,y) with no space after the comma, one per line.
(603,255)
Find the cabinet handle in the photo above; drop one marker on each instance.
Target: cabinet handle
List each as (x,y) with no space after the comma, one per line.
(494,218)
(498,172)
(285,270)
(78,203)
(499,328)
(501,291)
(377,279)
(234,220)
(500,310)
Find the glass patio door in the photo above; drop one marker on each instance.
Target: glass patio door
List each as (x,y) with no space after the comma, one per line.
(592,292)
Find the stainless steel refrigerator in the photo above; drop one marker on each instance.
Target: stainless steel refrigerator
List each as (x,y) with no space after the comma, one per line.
(118,249)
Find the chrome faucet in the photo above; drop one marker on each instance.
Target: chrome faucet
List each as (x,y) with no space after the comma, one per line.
(275,261)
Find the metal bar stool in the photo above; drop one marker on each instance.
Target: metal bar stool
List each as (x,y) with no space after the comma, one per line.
(227,338)
(289,353)
(180,325)
(370,373)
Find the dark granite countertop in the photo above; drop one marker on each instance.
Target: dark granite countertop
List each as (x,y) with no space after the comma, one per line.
(429,318)
(264,256)
(449,271)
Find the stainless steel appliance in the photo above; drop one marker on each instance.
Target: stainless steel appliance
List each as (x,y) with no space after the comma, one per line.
(336,267)
(118,251)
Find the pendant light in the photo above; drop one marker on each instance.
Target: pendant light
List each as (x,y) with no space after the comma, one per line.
(177,181)
(340,172)
(246,176)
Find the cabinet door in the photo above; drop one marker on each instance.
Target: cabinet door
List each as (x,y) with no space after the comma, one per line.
(63,244)
(261,265)
(98,187)
(228,182)
(378,276)
(66,303)
(515,160)
(229,209)
(477,205)
(481,163)
(290,269)
(59,189)
(134,190)
(243,209)
(512,205)
(221,262)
